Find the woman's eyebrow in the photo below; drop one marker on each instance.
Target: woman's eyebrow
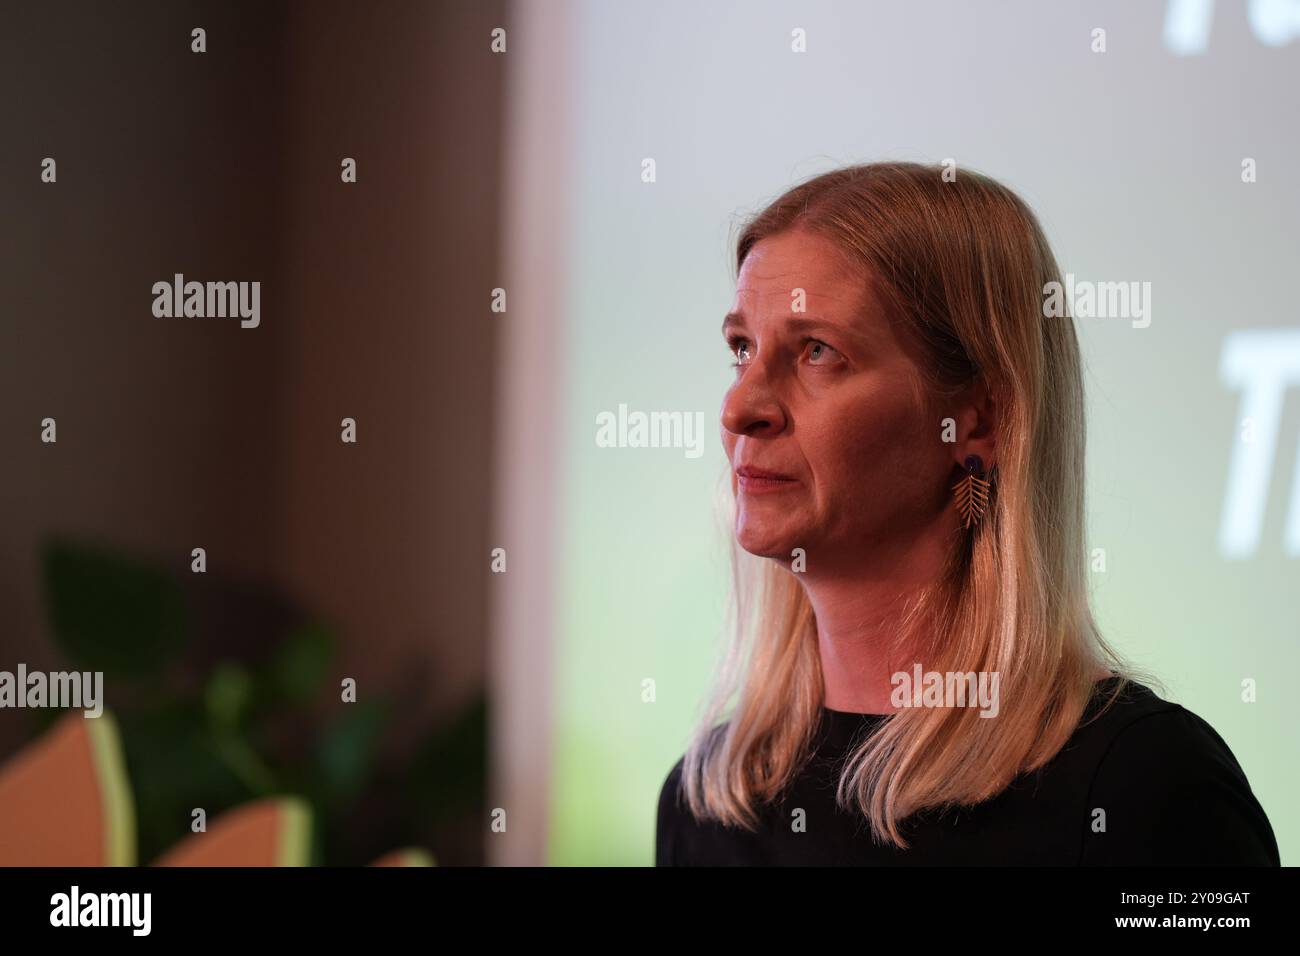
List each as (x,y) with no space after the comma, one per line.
(810,323)
(797,323)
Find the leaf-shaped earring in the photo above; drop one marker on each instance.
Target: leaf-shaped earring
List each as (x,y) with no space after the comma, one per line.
(972,492)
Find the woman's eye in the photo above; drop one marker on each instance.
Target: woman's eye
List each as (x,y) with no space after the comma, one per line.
(740,348)
(819,353)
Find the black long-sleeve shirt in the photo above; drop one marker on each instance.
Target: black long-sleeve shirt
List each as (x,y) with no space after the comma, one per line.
(1172,793)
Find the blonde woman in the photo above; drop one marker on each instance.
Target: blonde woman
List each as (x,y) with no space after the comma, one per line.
(916,676)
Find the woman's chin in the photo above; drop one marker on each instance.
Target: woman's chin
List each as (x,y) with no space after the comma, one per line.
(765,543)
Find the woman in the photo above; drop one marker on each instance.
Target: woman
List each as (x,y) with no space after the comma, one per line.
(917,675)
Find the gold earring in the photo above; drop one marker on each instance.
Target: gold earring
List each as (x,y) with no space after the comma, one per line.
(972,492)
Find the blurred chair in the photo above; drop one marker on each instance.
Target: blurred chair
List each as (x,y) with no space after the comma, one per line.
(65,800)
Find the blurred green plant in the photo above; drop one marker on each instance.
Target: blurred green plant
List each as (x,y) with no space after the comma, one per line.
(206,727)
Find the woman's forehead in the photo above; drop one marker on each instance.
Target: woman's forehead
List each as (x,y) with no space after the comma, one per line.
(760,300)
(797,294)
(798,265)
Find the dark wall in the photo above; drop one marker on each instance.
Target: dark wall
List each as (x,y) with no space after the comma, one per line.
(185,432)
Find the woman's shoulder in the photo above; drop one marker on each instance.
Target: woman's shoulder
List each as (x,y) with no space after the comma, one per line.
(670,793)
(681,839)
(1165,787)
(671,816)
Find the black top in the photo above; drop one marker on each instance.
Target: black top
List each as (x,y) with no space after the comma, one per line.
(1172,792)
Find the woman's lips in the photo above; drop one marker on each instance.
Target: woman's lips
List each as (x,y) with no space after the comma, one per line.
(757,481)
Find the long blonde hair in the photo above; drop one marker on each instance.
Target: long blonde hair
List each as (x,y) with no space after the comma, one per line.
(962,266)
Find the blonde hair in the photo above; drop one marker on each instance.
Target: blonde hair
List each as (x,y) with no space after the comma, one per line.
(961,266)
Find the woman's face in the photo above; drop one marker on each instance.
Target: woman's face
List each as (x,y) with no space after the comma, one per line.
(825,398)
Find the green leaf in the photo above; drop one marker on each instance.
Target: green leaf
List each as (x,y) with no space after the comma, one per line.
(227,696)
(346,752)
(298,666)
(175,766)
(111,613)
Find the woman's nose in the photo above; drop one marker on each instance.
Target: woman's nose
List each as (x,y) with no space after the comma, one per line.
(751,407)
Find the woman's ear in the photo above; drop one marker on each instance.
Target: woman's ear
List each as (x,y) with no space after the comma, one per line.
(979,425)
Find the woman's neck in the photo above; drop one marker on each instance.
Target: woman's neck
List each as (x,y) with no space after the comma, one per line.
(858,623)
